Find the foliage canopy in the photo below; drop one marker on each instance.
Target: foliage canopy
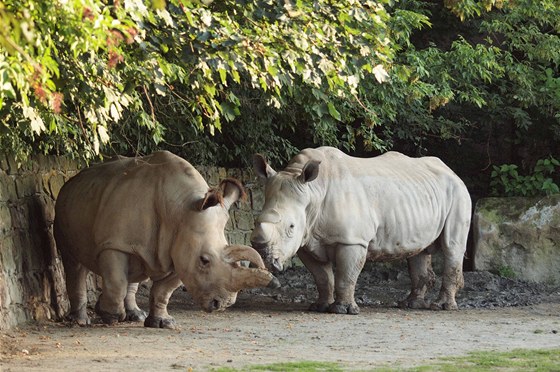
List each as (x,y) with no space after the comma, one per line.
(80,76)
(218,81)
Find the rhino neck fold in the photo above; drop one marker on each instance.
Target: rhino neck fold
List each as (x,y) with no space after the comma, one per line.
(313,209)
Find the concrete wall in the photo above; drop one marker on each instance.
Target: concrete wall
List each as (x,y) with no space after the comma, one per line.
(32,285)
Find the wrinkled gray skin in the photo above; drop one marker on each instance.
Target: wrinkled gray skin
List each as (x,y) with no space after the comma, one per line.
(155,217)
(335,211)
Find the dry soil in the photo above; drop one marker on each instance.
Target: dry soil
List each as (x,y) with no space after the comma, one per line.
(267,326)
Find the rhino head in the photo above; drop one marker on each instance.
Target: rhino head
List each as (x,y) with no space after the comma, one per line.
(211,271)
(283,227)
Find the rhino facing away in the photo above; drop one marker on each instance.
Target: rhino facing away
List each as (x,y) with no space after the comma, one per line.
(155,217)
(335,211)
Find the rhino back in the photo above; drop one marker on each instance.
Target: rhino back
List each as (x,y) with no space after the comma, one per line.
(391,204)
(129,204)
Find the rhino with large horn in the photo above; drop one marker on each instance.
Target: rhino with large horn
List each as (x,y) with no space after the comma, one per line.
(155,217)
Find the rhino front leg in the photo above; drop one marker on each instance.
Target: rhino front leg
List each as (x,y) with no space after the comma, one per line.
(350,260)
(452,281)
(324,280)
(159,298)
(422,279)
(113,266)
(76,275)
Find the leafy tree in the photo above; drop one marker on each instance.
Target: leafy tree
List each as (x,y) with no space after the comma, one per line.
(218,81)
(77,75)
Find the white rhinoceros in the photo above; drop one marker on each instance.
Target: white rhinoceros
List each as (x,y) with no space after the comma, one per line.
(335,211)
(154,217)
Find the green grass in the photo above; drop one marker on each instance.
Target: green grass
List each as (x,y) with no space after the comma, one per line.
(516,360)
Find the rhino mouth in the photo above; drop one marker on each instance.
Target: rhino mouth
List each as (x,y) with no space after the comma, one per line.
(213,305)
(277,265)
(271,262)
(216,304)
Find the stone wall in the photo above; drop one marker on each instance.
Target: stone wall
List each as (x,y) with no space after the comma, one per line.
(32,285)
(31,275)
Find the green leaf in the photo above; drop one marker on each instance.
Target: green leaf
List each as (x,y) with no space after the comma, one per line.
(333,111)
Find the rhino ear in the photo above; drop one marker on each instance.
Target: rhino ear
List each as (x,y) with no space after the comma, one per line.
(310,171)
(212,198)
(232,191)
(261,167)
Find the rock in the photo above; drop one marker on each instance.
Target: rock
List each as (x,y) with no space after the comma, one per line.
(518,237)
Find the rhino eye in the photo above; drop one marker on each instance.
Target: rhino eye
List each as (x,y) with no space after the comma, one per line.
(204,260)
(290,231)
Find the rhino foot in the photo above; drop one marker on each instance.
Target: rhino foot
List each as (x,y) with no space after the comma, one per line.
(107,317)
(136,315)
(157,322)
(79,318)
(319,307)
(444,306)
(342,308)
(416,303)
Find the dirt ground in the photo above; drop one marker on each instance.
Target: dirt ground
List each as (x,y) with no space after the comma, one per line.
(267,326)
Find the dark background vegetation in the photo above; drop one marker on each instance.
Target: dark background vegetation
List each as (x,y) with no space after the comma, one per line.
(476,83)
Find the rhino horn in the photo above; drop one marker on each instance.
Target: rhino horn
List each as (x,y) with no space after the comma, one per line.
(245,278)
(236,253)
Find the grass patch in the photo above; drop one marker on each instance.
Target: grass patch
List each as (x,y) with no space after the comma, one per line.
(516,360)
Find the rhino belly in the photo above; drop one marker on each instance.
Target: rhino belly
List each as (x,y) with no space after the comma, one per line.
(400,244)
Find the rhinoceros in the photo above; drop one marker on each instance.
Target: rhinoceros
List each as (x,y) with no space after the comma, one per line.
(154,217)
(335,211)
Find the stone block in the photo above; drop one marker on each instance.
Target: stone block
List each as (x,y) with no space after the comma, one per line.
(56,181)
(244,220)
(256,197)
(7,188)
(520,236)
(43,163)
(27,185)
(20,216)
(230,224)
(236,237)
(3,294)
(7,256)
(5,219)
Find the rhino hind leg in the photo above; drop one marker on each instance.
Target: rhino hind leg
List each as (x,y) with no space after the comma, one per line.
(76,275)
(453,245)
(350,260)
(422,279)
(159,298)
(324,280)
(133,312)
